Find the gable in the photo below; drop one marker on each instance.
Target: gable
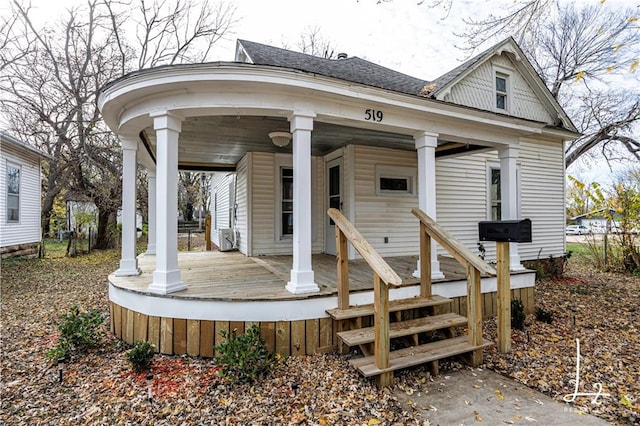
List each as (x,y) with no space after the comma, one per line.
(477,90)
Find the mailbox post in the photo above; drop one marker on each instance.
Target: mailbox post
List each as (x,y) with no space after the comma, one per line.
(504,232)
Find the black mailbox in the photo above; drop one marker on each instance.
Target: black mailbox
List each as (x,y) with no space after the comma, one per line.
(513,231)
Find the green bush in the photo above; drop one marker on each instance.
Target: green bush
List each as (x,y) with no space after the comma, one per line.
(544,316)
(141,356)
(244,358)
(79,331)
(518,317)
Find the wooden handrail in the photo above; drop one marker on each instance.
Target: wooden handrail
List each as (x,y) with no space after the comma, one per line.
(462,254)
(368,253)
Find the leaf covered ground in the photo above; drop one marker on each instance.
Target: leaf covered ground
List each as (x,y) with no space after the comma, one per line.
(602,310)
(100,387)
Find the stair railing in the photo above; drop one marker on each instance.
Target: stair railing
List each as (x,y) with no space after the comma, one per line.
(475,266)
(383,277)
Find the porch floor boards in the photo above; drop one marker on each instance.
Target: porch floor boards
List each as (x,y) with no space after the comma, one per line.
(233,276)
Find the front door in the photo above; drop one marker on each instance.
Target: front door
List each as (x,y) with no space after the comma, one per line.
(334,194)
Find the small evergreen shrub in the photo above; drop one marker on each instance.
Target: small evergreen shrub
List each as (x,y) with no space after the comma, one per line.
(518,316)
(141,356)
(244,358)
(79,331)
(544,316)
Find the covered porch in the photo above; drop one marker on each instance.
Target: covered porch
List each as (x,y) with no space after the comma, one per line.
(228,290)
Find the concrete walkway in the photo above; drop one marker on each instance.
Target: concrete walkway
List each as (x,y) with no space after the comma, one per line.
(478,396)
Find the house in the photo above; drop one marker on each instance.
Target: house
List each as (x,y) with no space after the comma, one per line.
(291,136)
(20,183)
(599,221)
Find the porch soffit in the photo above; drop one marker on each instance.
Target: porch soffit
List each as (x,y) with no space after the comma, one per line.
(219,142)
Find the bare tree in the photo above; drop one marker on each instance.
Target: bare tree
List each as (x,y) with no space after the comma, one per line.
(312,42)
(581,52)
(50,79)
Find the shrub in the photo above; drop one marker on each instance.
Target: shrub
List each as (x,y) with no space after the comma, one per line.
(518,316)
(141,356)
(244,358)
(78,332)
(544,316)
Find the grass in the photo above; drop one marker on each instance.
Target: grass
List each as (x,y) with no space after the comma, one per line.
(578,249)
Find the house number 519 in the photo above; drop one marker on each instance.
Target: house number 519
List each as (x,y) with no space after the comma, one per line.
(373,115)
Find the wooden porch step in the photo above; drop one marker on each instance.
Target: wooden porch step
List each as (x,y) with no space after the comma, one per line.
(417,355)
(394,306)
(404,328)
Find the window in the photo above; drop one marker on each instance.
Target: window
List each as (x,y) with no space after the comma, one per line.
(286,206)
(395,180)
(501,91)
(494,193)
(13,193)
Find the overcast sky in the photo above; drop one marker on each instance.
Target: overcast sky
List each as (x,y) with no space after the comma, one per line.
(399,34)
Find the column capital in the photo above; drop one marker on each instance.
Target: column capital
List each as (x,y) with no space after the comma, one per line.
(302,120)
(508,152)
(166,120)
(426,140)
(128,143)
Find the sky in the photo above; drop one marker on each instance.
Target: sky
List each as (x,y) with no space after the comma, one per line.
(403,35)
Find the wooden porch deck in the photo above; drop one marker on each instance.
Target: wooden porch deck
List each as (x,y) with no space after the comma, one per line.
(234,276)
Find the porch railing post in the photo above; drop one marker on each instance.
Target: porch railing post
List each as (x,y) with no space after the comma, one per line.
(474,313)
(504,297)
(342,260)
(425,261)
(381,324)
(207,231)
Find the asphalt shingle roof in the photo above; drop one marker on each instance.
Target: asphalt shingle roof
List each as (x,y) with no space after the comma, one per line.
(351,69)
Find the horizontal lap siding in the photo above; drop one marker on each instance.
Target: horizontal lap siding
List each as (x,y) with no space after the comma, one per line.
(542,187)
(263,208)
(27,230)
(379,216)
(263,192)
(220,187)
(461,189)
(477,90)
(242,201)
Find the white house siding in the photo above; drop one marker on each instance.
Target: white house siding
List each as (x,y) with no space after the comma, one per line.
(543,198)
(380,216)
(27,230)
(264,182)
(461,185)
(461,195)
(220,197)
(477,90)
(243,202)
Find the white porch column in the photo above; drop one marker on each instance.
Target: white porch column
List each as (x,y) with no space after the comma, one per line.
(151,204)
(509,196)
(128,260)
(302,276)
(166,277)
(426,144)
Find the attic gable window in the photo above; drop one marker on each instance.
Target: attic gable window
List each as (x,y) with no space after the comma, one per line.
(501,91)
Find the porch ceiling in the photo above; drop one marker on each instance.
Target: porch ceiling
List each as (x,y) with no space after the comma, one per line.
(219,142)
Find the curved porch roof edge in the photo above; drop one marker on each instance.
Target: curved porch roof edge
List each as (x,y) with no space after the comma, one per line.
(118,98)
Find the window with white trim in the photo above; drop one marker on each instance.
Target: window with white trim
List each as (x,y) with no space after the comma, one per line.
(396,180)
(286,202)
(13,193)
(502,100)
(494,192)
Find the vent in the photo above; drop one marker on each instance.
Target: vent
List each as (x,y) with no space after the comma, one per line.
(342,55)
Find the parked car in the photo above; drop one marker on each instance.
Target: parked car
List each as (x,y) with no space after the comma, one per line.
(577,230)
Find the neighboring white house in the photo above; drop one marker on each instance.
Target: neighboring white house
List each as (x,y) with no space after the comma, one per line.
(20,203)
(293,135)
(599,221)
